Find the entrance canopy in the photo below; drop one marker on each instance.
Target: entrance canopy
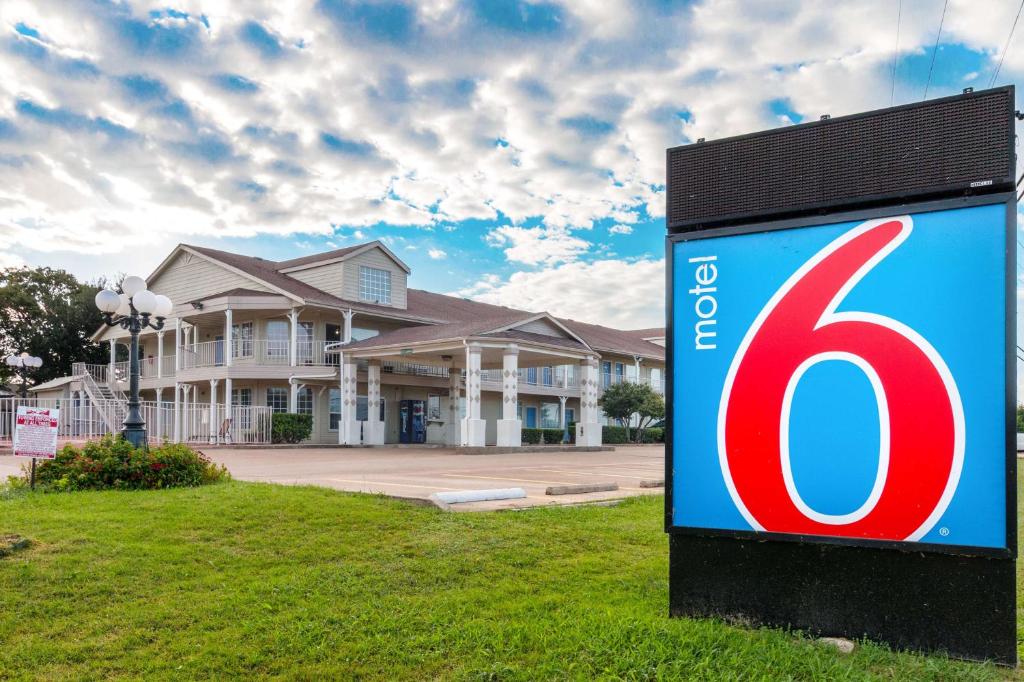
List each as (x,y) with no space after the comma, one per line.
(539,338)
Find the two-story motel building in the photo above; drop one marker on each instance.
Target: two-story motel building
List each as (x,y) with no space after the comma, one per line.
(341,336)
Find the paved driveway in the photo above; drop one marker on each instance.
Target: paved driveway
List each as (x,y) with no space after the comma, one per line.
(416,473)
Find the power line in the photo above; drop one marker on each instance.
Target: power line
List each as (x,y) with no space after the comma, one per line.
(896,52)
(1006,46)
(935,49)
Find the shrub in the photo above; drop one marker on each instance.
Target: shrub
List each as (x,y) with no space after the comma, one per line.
(655,434)
(553,436)
(532,436)
(614,435)
(112,462)
(290,428)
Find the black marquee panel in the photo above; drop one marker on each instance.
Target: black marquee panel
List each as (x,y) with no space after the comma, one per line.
(941,147)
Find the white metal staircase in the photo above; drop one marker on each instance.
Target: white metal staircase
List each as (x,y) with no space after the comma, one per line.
(112,405)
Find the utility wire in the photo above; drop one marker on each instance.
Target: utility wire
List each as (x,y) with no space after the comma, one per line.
(896,52)
(1006,46)
(935,49)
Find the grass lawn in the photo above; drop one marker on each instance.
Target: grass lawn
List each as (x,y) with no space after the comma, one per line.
(252,580)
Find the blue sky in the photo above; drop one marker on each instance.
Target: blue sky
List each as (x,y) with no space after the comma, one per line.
(507,150)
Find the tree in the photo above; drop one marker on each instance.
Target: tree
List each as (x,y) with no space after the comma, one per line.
(622,401)
(50,314)
(1020,418)
(651,410)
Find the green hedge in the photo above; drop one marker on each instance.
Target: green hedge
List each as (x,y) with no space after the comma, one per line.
(654,435)
(532,436)
(613,435)
(290,428)
(112,462)
(553,436)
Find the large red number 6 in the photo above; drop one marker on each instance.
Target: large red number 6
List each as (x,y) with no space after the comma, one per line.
(921,420)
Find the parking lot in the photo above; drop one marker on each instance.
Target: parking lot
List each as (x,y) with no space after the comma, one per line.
(417,473)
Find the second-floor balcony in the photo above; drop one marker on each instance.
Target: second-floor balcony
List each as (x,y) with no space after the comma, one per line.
(258,352)
(313,353)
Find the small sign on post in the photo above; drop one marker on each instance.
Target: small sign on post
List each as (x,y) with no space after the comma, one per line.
(35,434)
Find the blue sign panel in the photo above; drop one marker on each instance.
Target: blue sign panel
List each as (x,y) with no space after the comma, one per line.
(844,380)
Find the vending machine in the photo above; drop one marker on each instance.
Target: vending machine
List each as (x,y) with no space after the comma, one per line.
(412,421)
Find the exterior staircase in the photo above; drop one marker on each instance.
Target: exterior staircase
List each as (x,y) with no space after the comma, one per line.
(112,405)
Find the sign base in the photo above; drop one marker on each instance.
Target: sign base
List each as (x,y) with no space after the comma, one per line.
(962,605)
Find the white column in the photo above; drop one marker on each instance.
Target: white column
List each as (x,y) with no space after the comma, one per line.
(347,334)
(293,318)
(228,329)
(510,428)
(227,407)
(214,427)
(563,399)
(474,429)
(453,430)
(348,426)
(159,416)
(636,363)
(588,431)
(374,428)
(293,395)
(177,347)
(113,359)
(177,411)
(160,354)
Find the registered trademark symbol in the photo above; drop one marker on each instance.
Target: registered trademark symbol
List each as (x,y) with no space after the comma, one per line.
(943,531)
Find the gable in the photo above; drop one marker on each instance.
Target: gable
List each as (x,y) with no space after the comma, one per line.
(380,259)
(542,326)
(188,277)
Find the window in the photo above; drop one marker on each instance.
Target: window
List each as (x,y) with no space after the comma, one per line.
(241,340)
(548,376)
(361,408)
(277,339)
(277,399)
(606,374)
(358,334)
(242,397)
(531,375)
(304,402)
(434,408)
(304,342)
(570,415)
(549,417)
(374,285)
(334,408)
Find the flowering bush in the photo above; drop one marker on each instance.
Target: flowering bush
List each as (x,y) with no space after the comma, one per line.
(113,463)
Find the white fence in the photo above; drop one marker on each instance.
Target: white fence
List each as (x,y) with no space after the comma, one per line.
(82,420)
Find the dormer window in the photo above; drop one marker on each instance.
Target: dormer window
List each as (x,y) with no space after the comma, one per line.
(374,285)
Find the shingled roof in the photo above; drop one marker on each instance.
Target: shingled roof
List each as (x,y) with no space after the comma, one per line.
(441,316)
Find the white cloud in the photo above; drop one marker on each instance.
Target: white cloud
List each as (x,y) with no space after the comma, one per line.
(537,245)
(121,120)
(620,229)
(437,254)
(616,293)
(10,260)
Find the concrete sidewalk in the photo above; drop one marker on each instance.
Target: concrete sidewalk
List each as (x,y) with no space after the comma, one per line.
(417,473)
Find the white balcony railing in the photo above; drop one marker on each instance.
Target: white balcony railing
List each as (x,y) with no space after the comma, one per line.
(258,352)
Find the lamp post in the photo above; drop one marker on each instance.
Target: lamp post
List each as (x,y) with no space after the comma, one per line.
(132,310)
(22,364)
